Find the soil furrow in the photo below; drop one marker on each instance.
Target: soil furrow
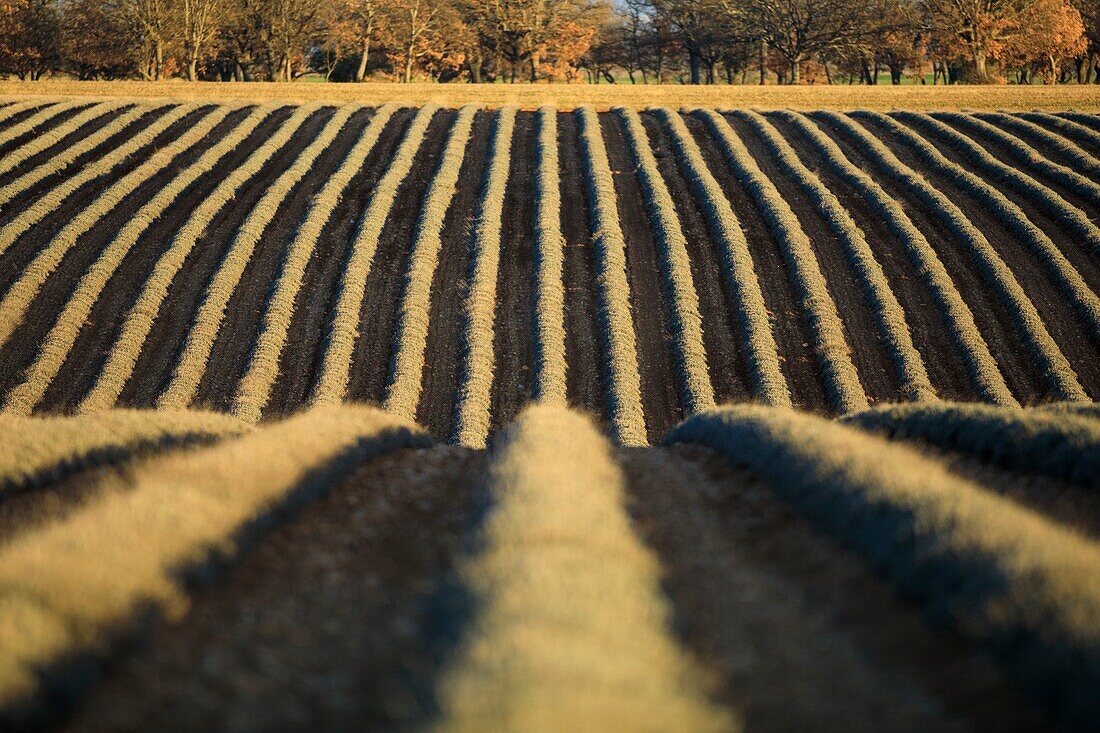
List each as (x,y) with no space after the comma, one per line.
(661,399)
(161,348)
(370,369)
(231,349)
(722,337)
(796,355)
(513,338)
(995,324)
(926,325)
(443,356)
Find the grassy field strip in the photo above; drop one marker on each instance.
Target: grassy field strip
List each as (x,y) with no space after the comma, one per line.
(332,384)
(624,382)
(1065,127)
(472,416)
(254,389)
(769,384)
(55,349)
(123,356)
(841,377)
(407,371)
(42,450)
(73,584)
(889,315)
(687,324)
(1012,216)
(959,320)
(18,298)
(1002,575)
(1074,156)
(15,107)
(550,363)
(39,118)
(1090,121)
(191,365)
(1057,372)
(571,629)
(56,197)
(63,158)
(1062,446)
(1046,199)
(1063,175)
(55,135)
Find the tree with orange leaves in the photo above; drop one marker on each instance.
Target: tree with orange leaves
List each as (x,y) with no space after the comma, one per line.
(1049,32)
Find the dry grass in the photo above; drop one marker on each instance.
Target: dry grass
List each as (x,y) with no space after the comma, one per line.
(998,573)
(407,374)
(191,364)
(687,324)
(1063,446)
(121,360)
(601,96)
(571,630)
(1065,127)
(254,389)
(473,419)
(889,315)
(550,364)
(624,388)
(343,332)
(74,584)
(826,329)
(31,123)
(769,383)
(1070,152)
(37,451)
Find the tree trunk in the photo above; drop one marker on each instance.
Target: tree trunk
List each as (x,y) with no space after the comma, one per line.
(192,67)
(693,62)
(364,56)
(409,64)
(979,64)
(796,72)
(475,70)
(763,62)
(534,67)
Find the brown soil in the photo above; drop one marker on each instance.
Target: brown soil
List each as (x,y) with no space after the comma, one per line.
(585,368)
(22,348)
(1012,356)
(161,352)
(797,630)
(796,356)
(926,324)
(96,339)
(337,621)
(232,349)
(513,381)
(876,370)
(1061,319)
(444,355)
(649,299)
(302,356)
(727,361)
(370,370)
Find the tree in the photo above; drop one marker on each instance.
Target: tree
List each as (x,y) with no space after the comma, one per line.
(1048,32)
(29,34)
(199,21)
(99,40)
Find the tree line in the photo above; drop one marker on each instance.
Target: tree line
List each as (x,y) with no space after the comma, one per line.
(632,41)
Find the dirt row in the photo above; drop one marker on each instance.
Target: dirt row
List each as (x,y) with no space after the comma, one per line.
(343,616)
(373,353)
